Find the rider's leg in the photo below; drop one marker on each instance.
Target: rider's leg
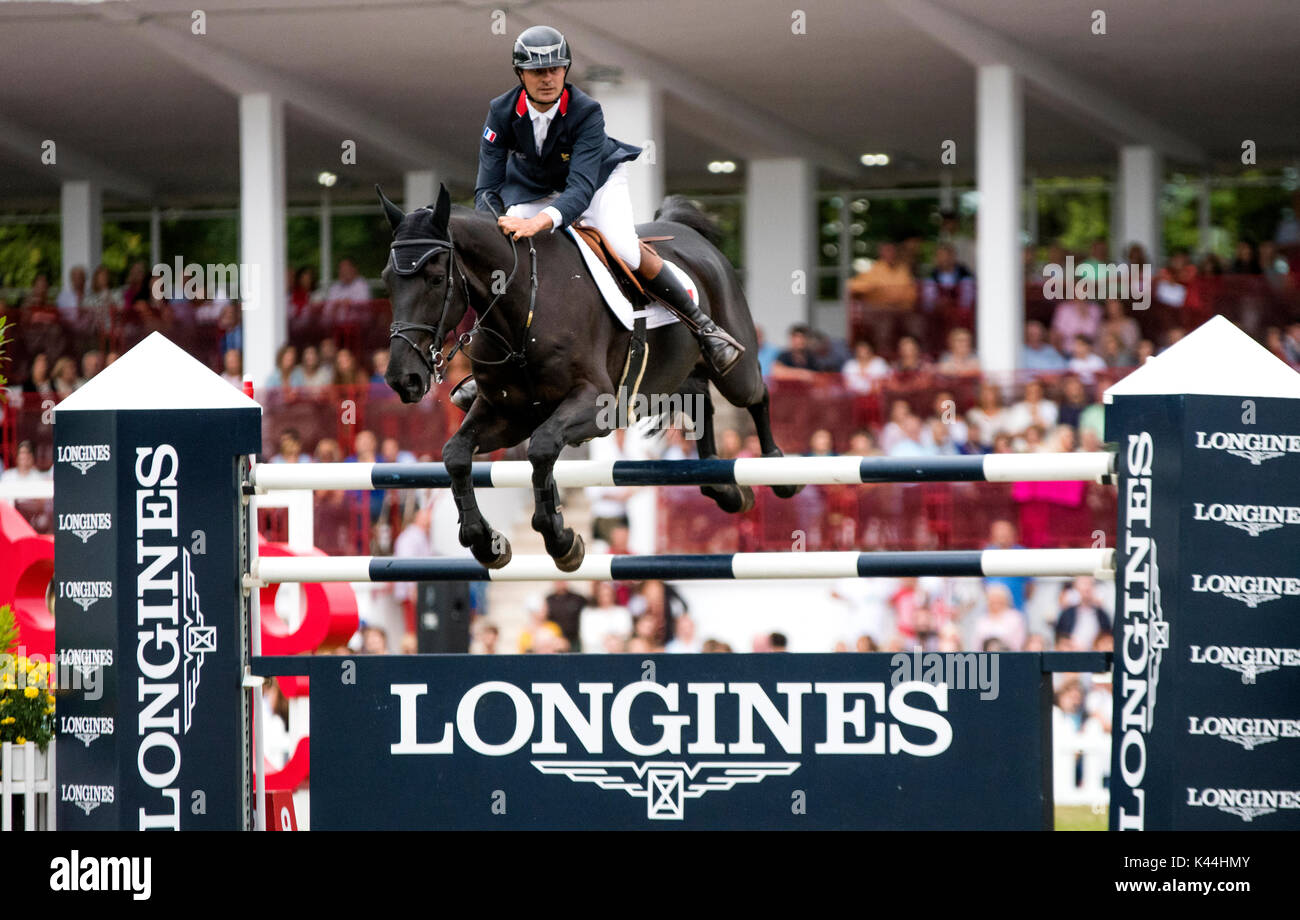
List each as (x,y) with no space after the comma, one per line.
(610,212)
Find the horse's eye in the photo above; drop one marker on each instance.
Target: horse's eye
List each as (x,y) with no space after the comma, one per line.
(436,280)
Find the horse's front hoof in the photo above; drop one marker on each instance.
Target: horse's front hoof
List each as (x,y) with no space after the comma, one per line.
(731,499)
(572,560)
(501,548)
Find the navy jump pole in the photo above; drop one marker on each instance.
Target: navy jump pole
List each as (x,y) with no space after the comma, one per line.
(762,471)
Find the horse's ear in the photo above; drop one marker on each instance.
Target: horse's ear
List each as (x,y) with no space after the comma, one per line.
(442,210)
(391,211)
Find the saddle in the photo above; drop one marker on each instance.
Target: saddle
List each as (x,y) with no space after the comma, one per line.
(625,276)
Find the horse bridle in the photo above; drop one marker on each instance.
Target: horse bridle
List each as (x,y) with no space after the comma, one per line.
(435,361)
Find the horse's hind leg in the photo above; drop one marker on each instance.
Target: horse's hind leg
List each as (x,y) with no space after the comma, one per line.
(760,412)
(573,422)
(732,499)
(482,430)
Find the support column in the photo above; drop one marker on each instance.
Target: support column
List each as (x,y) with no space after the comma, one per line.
(81,215)
(326,240)
(1000,154)
(1140,173)
(1204,230)
(780,240)
(421,188)
(634,114)
(155,235)
(262,231)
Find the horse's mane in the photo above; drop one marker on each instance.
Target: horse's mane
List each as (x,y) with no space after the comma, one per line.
(680,209)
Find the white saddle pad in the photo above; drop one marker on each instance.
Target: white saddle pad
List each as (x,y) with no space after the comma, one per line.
(656,314)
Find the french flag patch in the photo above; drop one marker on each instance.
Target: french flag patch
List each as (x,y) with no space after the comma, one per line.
(489,135)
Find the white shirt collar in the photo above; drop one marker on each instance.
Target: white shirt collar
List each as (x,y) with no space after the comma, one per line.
(534,114)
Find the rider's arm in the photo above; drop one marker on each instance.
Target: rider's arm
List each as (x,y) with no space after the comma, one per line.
(584,168)
(491,167)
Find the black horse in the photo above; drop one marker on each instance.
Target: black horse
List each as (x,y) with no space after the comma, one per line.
(546,361)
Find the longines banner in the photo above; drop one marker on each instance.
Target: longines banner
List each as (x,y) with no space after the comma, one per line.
(1207,645)
(678,741)
(147,604)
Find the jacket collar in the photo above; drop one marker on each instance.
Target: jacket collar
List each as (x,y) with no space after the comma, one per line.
(521,102)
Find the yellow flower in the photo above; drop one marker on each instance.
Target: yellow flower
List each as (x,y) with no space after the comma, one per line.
(20,740)
(49,698)
(31,693)
(8,720)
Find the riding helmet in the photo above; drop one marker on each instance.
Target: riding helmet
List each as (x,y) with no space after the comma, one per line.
(540,47)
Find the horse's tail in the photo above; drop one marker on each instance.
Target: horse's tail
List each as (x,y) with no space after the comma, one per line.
(682,210)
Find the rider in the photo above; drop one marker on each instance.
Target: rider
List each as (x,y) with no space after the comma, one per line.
(545,161)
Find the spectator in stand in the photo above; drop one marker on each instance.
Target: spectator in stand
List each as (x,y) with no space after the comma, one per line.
(892,433)
(24,469)
(865,368)
(911,365)
(863,444)
(684,641)
(65,379)
(938,436)
(92,362)
(944,408)
(564,607)
(888,290)
(1114,353)
(988,418)
(488,637)
(379,361)
(828,354)
(798,361)
(345,293)
(767,352)
(821,444)
(949,291)
(38,321)
(39,379)
(1037,354)
(1034,409)
(777,642)
(602,617)
(72,295)
(913,442)
(730,445)
(347,372)
(1086,619)
(305,305)
(287,374)
(1002,535)
(662,603)
(291,448)
(100,305)
(1174,282)
(232,368)
(960,359)
(414,542)
(1000,620)
(1030,440)
(952,236)
(1074,399)
(609,503)
(1085,362)
(1146,348)
(137,278)
(1274,265)
(1125,328)
(390,451)
(231,333)
(1245,260)
(314,373)
(1073,318)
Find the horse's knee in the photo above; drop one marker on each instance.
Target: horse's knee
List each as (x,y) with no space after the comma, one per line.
(457,456)
(543,449)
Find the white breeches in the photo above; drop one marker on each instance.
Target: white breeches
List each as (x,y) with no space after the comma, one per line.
(610,212)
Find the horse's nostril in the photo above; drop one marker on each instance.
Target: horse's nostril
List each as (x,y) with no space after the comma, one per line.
(414,384)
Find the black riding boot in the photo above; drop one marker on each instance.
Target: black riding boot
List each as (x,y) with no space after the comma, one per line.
(720,349)
(462,395)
